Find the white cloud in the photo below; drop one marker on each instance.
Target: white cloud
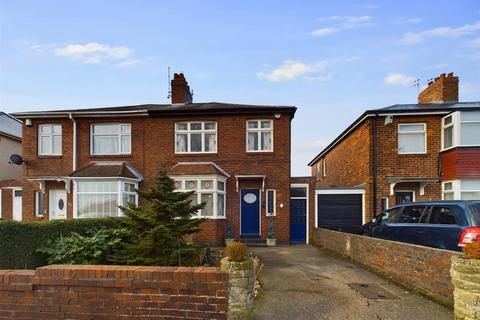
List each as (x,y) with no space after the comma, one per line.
(342,23)
(94,53)
(290,70)
(440,32)
(399,79)
(129,62)
(323,32)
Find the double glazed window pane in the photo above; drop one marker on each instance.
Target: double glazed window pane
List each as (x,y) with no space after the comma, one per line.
(195,137)
(448,137)
(105,144)
(259,135)
(210,142)
(252,141)
(97,205)
(50,139)
(207,211)
(411,143)
(196,141)
(221,205)
(266,141)
(111,138)
(470,133)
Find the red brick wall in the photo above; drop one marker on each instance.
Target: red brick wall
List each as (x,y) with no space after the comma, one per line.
(424,269)
(153,142)
(349,164)
(461,163)
(392,164)
(7,204)
(108,292)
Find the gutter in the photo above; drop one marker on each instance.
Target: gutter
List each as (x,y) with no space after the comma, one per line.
(74,142)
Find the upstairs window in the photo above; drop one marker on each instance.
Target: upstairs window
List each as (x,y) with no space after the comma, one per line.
(111,139)
(50,140)
(412,138)
(319,173)
(470,128)
(259,135)
(195,137)
(448,132)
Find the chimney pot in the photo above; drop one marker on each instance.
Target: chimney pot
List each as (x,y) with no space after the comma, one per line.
(442,75)
(450,74)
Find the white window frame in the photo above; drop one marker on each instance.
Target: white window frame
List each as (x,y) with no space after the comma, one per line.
(199,191)
(189,133)
(460,129)
(50,135)
(130,193)
(454,133)
(259,131)
(456,189)
(424,131)
(39,210)
(324,167)
(119,137)
(119,192)
(267,198)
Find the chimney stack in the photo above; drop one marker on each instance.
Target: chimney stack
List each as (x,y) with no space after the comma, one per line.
(441,90)
(180,90)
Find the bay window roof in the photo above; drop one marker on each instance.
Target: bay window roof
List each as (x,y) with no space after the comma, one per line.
(107,169)
(197,168)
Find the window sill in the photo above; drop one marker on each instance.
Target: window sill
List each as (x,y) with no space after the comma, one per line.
(53,156)
(194,153)
(260,152)
(413,154)
(111,155)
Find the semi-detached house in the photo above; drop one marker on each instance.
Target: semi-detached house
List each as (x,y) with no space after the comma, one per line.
(82,163)
(401,153)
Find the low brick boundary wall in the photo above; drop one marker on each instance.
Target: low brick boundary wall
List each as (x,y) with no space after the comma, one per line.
(423,269)
(113,292)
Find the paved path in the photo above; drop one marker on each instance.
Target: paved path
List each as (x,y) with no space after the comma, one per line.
(301,282)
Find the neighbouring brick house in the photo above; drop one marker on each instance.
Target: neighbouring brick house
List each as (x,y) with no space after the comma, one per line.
(82,163)
(402,153)
(10,174)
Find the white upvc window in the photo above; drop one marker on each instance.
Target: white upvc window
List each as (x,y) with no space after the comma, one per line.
(38,204)
(208,189)
(412,138)
(98,198)
(196,137)
(324,166)
(461,190)
(259,135)
(50,140)
(448,134)
(271,202)
(470,128)
(110,138)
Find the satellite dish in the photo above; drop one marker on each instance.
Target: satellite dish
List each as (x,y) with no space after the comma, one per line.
(16,159)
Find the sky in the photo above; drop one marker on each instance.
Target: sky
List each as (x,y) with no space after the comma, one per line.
(331,59)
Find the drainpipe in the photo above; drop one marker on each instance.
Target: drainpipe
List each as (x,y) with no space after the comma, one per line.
(74,142)
(374,164)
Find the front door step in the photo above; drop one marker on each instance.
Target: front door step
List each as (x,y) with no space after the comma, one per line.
(253,241)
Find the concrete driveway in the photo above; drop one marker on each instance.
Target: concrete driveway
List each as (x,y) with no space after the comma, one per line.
(302,282)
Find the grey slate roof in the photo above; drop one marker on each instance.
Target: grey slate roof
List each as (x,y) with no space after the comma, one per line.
(10,126)
(165,109)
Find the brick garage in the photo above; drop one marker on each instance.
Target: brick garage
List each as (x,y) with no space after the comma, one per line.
(423,269)
(113,292)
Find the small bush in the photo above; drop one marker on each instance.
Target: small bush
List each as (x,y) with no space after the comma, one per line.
(472,250)
(19,241)
(94,248)
(237,252)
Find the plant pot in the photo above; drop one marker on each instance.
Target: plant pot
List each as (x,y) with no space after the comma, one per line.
(228,241)
(466,281)
(271,242)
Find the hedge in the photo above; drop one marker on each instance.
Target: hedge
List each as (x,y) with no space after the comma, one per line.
(20,240)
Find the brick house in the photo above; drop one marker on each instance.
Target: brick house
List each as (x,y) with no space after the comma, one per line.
(401,153)
(82,163)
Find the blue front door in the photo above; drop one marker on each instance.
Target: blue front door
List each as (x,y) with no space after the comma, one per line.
(298,220)
(250,212)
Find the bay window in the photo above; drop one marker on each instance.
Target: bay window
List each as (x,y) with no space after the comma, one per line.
(461,190)
(110,138)
(259,135)
(208,189)
(50,140)
(195,137)
(101,198)
(412,138)
(461,129)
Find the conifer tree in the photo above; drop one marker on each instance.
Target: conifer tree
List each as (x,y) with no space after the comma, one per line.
(160,227)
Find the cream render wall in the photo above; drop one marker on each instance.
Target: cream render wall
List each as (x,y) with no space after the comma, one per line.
(7,147)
